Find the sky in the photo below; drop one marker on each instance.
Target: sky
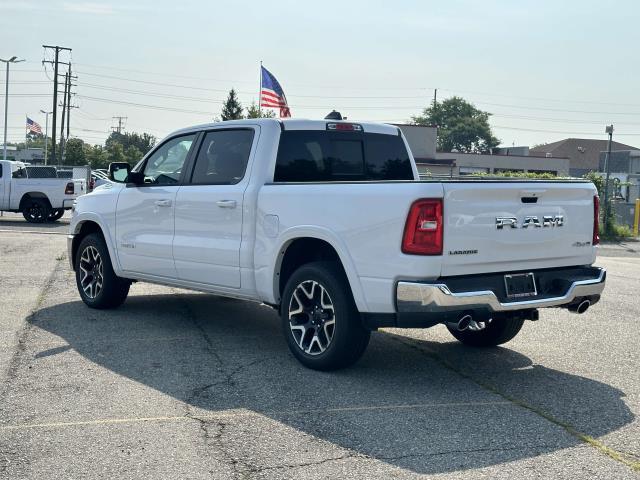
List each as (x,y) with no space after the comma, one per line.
(546,70)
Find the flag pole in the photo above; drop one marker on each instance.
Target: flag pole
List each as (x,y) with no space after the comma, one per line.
(260,93)
(26,133)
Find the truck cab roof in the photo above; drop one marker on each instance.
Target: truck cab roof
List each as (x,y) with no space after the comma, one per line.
(294,124)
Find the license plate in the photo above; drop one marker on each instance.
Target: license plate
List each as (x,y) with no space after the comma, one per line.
(520,285)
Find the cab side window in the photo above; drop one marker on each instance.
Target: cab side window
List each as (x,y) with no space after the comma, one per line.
(223,157)
(20,173)
(164,166)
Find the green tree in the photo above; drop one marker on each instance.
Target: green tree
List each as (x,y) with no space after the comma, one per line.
(74,152)
(115,153)
(132,155)
(461,126)
(253,111)
(142,141)
(232,108)
(96,156)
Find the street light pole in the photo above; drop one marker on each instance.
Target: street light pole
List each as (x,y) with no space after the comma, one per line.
(6,99)
(607,168)
(46,131)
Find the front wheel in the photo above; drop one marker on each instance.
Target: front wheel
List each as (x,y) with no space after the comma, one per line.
(499,330)
(98,285)
(320,320)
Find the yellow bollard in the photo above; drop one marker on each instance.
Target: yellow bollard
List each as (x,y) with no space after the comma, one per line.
(636,219)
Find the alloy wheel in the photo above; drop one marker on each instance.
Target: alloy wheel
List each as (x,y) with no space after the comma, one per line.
(91,272)
(312,317)
(35,212)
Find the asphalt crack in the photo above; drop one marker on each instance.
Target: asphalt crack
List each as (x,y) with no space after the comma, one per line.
(618,456)
(16,360)
(22,334)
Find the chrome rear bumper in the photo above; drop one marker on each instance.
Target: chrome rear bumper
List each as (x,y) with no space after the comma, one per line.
(413,297)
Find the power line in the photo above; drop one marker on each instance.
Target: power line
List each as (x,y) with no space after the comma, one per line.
(142,105)
(559,131)
(212,100)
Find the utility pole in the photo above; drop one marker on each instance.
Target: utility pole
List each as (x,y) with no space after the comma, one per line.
(64,109)
(46,131)
(119,127)
(607,168)
(55,63)
(435,98)
(69,106)
(6,99)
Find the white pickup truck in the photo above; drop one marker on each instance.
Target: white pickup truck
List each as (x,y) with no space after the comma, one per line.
(39,199)
(328,222)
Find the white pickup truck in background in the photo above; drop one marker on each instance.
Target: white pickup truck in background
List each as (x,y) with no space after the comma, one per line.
(328,222)
(39,199)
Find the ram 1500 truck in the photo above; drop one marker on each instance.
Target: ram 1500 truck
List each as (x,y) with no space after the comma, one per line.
(39,199)
(328,222)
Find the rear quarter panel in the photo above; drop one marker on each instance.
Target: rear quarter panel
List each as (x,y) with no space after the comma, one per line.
(364,222)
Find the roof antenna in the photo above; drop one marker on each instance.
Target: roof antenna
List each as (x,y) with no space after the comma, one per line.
(333,115)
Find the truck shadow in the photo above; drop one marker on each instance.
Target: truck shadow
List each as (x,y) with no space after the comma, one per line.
(400,404)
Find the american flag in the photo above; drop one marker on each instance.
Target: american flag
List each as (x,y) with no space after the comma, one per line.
(272,95)
(33,127)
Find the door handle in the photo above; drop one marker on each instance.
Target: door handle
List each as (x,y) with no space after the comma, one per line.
(163,203)
(226,203)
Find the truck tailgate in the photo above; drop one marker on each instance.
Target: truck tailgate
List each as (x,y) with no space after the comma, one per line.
(474,241)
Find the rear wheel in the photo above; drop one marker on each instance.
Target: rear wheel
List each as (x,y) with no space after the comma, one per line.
(498,331)
(98,285)
(36,210)
(320,320)
(55,214)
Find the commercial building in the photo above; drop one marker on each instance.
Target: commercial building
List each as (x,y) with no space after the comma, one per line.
(423,140)
(474,163)
(583,153)
(34,156)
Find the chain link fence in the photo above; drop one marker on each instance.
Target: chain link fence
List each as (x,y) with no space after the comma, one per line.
(82,172)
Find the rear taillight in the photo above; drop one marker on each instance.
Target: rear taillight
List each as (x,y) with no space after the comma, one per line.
(69,189)
(423,230)
(596,220)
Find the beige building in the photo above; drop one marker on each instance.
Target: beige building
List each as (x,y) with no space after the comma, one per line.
(423,139)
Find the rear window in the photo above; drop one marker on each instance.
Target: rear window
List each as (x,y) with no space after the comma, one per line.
(322,156)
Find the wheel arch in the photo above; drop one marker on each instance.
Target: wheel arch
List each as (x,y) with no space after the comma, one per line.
(298,250)
(33,195)
(86,227)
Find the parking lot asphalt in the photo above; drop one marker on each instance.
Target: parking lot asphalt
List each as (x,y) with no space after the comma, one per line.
(177,384)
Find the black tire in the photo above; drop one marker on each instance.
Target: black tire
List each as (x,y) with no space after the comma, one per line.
(55,215)
(92,263)
(333,337)
(36,210)
(500,330)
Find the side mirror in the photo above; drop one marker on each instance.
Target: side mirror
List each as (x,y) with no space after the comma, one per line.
(119,171)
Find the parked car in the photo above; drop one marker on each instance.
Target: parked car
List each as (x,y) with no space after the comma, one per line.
(32,191)
(98,177)
(328,222)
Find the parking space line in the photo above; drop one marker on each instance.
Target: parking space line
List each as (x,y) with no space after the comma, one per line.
(232,414)
(38,232)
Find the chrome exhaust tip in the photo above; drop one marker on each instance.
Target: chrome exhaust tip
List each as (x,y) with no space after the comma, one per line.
(462,323)
(581,307)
